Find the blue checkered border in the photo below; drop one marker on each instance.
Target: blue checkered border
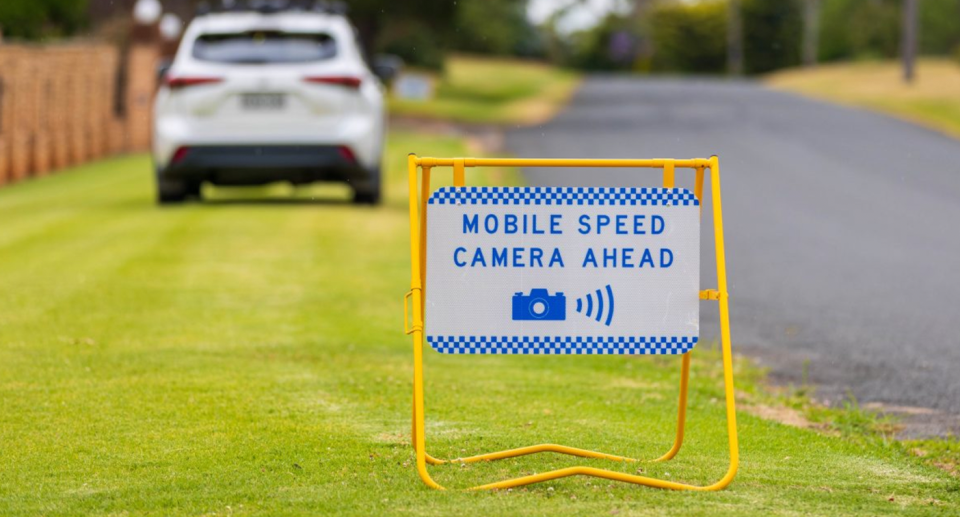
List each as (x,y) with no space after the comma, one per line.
(564,196)
(560,345)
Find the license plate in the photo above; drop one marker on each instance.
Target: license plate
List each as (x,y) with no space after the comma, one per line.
(263,101)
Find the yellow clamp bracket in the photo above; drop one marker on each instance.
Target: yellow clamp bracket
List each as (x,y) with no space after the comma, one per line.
(406,314)
(669,174)
(709,294)
(459,174)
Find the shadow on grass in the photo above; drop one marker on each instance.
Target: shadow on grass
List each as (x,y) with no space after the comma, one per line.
(274,202)
(391,205)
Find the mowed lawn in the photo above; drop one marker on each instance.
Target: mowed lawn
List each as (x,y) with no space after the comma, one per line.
(246,356)
(933,100)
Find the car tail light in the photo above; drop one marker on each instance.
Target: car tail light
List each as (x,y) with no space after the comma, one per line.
(347,154)
(340,80)
(179,154)
(176,83)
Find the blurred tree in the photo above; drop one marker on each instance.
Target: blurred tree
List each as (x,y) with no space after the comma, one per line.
(683,37)
(811,32)
(41,19)
(939,26)
(772,34)
(607,46)
(643,28)
(494,27)
(734,37)
(416,30)
(859,29)
(908,39)
(420,31)
(693,36)
(867,29)
(556,45)
(690,37)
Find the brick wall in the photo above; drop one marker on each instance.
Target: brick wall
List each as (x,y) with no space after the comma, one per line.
(58,106)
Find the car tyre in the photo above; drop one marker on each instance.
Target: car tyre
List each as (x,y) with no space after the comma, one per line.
(369,195)
(171,192)
(194,190)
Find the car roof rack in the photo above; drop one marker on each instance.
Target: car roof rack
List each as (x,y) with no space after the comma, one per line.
(271,6)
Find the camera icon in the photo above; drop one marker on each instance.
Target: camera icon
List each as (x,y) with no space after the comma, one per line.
(539,305)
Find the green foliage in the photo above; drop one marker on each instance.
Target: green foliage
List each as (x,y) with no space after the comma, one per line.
(41,19)
(939,27)
(772,32)
(690,38)
(413,41)
(855,29)
(494,27)
(943,453)
(858,29)
(421,31)
(416,30)
(852,421)
(594,49)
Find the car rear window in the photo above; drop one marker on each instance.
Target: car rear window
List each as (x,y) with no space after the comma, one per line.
(261,47)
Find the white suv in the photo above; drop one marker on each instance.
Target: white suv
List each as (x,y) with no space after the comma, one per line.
(264,92)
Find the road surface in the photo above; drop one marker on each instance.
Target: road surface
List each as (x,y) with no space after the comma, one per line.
(842,226)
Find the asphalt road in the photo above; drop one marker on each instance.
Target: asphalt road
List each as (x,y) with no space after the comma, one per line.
(842,226)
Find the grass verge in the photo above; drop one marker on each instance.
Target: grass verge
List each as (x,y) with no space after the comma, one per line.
(494,91)
(245,356)
(932,101)
(850,421)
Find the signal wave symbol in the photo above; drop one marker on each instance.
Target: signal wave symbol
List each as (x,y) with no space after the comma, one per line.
(600,310)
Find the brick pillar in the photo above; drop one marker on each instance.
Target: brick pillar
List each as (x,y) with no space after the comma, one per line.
(141,86)
(101,77)
(78,112)
(40,156)
(5,106)
(21,107)
(59,108)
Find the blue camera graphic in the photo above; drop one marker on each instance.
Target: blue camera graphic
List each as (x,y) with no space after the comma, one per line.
(539,305)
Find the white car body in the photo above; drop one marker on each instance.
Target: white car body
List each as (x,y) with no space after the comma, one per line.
(255,122)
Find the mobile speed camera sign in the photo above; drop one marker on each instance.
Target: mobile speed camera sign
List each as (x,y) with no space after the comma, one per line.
(562,270)
(503,270)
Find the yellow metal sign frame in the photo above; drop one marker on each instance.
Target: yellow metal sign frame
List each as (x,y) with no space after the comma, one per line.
(419,194)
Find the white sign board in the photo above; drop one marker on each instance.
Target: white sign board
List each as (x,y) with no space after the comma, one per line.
(413,87)
(562,270)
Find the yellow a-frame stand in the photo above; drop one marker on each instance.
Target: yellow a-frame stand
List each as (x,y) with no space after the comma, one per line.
(418,229)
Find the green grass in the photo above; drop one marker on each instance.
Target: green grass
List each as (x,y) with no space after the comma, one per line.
(240,357)
(942,453)
(931,101)
(499,91)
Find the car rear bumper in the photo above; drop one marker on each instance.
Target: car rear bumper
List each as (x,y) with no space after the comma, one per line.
(362,133)
(261,164)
